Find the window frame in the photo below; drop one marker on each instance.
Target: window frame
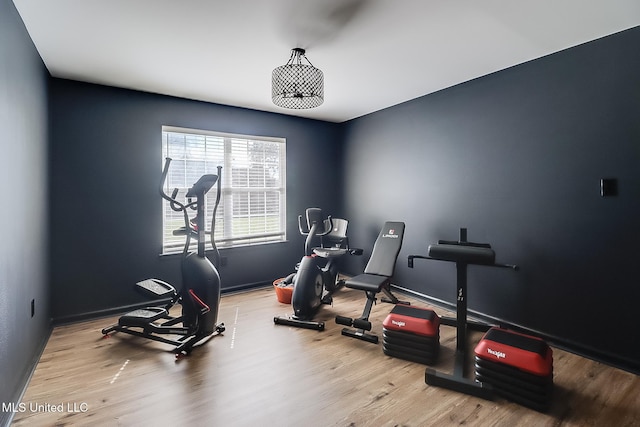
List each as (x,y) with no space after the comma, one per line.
(225,237)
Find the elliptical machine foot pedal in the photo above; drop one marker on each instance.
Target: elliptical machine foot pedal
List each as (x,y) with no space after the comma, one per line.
(156,287)
(143,316)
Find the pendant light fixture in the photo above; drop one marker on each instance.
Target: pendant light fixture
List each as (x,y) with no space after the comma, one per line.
(296,85)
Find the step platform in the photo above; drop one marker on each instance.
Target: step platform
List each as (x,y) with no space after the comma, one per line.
(519,367)
(412,333)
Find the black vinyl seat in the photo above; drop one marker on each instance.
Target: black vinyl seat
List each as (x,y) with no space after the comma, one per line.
(375,279)
(335,243)
(367,282)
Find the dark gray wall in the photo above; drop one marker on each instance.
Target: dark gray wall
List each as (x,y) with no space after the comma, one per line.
(23,186)
(106,164)
(517,158)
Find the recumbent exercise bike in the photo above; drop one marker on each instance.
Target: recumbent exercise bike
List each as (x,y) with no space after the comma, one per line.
(200,295)
(316,277)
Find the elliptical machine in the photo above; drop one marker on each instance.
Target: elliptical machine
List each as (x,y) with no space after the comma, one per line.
(316,277)
(200,295)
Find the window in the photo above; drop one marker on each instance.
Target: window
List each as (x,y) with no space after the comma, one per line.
(252,206)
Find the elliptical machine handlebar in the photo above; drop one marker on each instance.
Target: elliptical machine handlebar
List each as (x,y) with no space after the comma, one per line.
(312,227)
(306,229)
(173,202)
(172,199)
(216,252)
(199,189)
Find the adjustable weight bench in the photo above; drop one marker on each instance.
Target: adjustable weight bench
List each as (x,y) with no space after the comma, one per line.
(376,278)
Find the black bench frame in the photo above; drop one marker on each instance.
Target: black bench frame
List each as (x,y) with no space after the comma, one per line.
(375,279)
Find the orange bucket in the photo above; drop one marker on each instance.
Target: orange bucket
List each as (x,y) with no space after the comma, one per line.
(283,292)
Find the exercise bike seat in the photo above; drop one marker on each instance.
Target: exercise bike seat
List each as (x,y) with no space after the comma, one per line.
(335,243)
(330,252)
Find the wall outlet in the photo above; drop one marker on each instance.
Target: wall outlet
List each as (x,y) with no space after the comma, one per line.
(608,187)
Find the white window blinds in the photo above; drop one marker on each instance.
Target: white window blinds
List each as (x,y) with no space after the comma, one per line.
(252,207)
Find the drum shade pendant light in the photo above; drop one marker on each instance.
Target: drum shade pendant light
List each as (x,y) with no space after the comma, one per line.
(296,85)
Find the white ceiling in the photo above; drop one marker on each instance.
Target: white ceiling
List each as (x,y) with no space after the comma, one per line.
(374,53)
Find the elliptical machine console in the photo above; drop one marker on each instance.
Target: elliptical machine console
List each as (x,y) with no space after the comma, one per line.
(200,295)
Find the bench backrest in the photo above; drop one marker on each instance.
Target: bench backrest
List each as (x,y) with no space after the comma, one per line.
(386,249)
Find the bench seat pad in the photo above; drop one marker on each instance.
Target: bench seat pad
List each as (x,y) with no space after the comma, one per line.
(367,282)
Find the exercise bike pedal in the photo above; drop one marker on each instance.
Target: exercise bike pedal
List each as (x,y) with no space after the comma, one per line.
(327,299)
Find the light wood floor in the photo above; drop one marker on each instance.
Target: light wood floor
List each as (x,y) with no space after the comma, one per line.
(260,374)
